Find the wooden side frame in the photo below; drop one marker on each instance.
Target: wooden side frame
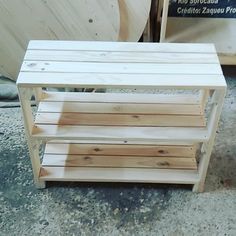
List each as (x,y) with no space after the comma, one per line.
(207,147)
(33,144)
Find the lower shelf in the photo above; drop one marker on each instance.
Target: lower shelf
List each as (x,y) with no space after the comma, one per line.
(138,175)
(103,162)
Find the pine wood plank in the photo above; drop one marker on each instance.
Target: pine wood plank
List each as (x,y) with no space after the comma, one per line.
(68,118)
(142,81)
(137,175)
(119,161)
(106,56)
(170,134)
(190,99)
(120,46)
(120,68)
(120,142)
(124,108)
(121,150)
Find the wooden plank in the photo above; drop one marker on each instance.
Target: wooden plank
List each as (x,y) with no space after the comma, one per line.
(120,46)
(33,145)
(121,150)
(120,142)
(142,81)
(119,161)
(118,175)
(190,99)
(120,68)
(214,117)
(68,118)
(105,56)
(120,133)
(127,108)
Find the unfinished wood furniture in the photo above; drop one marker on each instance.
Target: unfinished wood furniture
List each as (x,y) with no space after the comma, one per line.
(123,137)
(220,31)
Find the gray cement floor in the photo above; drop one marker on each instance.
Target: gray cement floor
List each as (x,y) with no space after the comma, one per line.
(117,209)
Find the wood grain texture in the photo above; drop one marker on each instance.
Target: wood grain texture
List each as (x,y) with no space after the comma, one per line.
(119,161)
(119,149)
(170,134)
(114,56)
(121,46)
(120,68)
(118,175)
(141,81)
(116,108)
(117,65)
(124,98)
(131,120)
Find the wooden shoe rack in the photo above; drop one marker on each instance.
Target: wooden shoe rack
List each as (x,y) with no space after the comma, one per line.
(161,137)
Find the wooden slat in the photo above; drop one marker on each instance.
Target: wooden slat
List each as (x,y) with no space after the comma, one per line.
(127,108)
(191,99)
(120,133)
(105,56)
(118,142)
(119,161)
(119,119)
(120,68)
(93,174)
(120,46)
(121,150)
(143,81)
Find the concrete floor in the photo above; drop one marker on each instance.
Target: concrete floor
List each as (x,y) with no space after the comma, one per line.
(117,209)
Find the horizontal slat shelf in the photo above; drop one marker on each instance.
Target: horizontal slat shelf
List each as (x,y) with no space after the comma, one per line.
(120,46)
(120,142)
(105,56)
(118,175)
(143,81)
(104,155)
(171,134)
(72,148)
(134,120)
(124,108)
(119,161)
(177,99)
(120,68)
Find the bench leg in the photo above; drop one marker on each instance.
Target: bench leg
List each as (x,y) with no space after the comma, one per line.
(33,145)
(212,124)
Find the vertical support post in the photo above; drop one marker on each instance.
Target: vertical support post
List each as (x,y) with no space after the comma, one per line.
(33,145)
(164,20)
(208,146)
(38,94)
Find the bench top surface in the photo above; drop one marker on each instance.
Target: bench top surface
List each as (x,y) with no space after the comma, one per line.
(117,64)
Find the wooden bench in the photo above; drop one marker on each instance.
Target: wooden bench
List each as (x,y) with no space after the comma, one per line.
(121,137)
